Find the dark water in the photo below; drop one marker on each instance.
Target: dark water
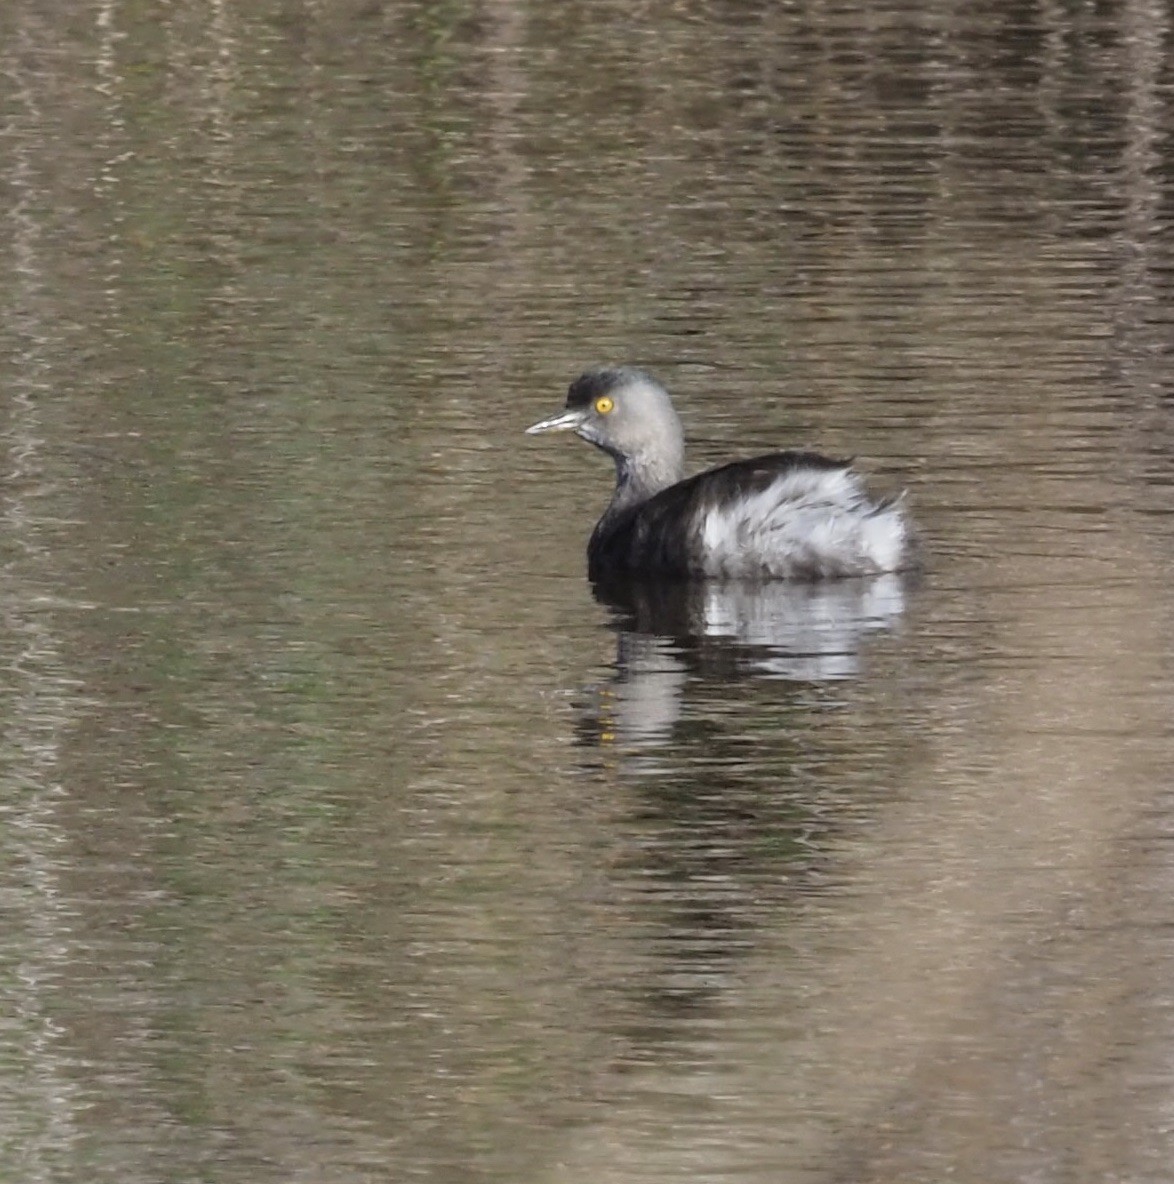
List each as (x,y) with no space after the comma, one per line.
(344,835)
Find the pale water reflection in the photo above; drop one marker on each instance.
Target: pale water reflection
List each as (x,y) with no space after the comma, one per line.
(801,631)
(676,637)
(344,835)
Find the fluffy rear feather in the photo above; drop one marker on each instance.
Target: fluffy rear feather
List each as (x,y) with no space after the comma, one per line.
(789,515)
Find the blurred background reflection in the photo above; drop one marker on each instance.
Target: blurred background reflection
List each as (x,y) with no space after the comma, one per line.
(346,833)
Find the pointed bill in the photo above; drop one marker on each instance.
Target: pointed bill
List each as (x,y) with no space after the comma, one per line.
(564,421)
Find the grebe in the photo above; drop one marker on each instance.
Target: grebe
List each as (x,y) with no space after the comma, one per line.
(783,516)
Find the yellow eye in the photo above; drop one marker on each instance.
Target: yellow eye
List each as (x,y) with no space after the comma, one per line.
(604,404)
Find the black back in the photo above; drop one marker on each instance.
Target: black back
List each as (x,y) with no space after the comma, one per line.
(660,536)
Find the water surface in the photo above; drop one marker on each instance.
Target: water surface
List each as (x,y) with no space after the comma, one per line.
(345,833)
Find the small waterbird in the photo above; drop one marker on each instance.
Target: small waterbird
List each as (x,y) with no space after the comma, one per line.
(784,516)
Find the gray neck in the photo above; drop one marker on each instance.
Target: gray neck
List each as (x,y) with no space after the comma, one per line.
(640,477)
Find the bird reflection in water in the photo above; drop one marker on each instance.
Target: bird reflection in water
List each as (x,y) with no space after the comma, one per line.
(673,632)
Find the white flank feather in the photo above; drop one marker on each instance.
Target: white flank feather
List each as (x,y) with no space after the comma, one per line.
(808,524)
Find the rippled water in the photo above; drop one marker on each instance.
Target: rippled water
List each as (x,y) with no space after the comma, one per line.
(345,834)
